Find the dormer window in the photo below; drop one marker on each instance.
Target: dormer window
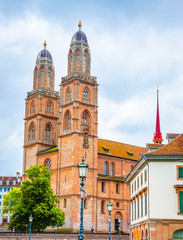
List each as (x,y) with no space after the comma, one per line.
(14,182)
(7,182)
(1,182)
(106,149)
(130,154)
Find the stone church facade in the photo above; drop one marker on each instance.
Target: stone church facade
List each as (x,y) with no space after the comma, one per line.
(62,127)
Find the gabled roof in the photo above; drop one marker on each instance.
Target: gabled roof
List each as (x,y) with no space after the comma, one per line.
(174,147)
(122,150)
(111,148)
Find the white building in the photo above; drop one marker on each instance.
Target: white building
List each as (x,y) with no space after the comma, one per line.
(156,193)
(6,185)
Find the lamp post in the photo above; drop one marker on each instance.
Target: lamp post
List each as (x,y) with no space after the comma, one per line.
(82,169)
(56,232)
(109,206)
(30,221)
(119,221)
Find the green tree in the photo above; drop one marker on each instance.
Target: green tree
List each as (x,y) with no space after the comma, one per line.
(11,200)
(37,198)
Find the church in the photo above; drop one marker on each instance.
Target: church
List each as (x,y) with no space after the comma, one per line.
(62,127)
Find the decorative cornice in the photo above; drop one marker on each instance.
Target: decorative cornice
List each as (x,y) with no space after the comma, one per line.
(80,77)
(42,90)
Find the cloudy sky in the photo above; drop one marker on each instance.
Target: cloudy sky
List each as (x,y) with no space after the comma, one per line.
(134,45)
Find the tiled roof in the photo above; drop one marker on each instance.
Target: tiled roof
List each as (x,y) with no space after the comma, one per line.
(48,150)
(111,148)
(121,150)
(174,147)
(4,181)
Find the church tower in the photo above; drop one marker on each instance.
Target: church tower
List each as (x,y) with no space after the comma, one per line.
(41,110)
(78,120)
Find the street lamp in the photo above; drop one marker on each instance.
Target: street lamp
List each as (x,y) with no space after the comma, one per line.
(82,169)
(30,221)
(109,206)
(56,232)
(119,221)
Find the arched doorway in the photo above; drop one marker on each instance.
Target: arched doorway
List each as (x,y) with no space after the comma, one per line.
(178,235)
(116,224)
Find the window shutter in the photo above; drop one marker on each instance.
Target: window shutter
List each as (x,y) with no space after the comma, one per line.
(181,201)
(180,172)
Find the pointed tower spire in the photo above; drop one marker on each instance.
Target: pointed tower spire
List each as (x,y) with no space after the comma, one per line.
(157,135)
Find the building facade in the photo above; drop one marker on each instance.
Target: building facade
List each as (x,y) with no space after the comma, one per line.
(62,127)
(6,185)
(156,193)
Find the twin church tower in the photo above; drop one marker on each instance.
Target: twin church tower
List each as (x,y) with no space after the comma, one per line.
(62,127)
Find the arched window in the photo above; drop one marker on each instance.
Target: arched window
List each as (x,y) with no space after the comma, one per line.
(32,130)
(68,94)
(32,108)
(48,107)
(102,186)
(117,188)
(86,93)
(103,206)
(106,168)
(65,203)
(85,203)
(146,237)
(85,118)
(117,204)
(112,169)
(48,163)
(67,120)
(48,132)
(142,235)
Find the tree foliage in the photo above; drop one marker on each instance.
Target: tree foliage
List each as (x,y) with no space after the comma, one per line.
(37,198)
(11,200)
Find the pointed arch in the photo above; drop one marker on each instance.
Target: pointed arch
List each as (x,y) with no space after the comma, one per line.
(86,94)
(68,95)
(31,132)
(49,106)
(116,216)
(86,118)
(48,133)
(32,107)
(112,169)
(106,168)
(67,120)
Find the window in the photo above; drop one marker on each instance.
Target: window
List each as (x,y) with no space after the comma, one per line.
(85,203)
(1,189)
(86,93)
(112,169)
(9,189)
(48,107)
(71,58)
(106,149)
(131,167)
(145,176)
(42,73)
(32,130)
(49,74)
(106,168)
(138,208)
(47,132)
(5,189)
(84,64)
(138,182)
(179,172)
(117,188)
(142,207)
(117,204)
(68,94)
(0,196)
(145,204)
(48,163)
(1,182)
(32,107)
(132,210)
(65,203)
(14,182)
(141,179)
(7,182)
(103,187)
(180,201)
(67,120)
(102,207)
(130,154)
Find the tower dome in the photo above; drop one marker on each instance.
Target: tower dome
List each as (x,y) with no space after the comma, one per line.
(44,55)
(79,37)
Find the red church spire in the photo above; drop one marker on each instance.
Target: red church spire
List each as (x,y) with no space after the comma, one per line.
(157,135)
